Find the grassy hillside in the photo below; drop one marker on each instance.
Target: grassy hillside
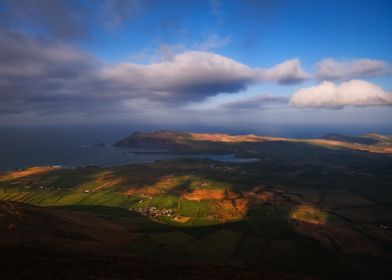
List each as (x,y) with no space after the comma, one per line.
(296,209)
(49,243)
(220,143)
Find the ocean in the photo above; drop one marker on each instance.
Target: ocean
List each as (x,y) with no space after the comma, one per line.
(23,147)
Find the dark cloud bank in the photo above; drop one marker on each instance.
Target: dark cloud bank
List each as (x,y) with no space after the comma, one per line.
(46,77)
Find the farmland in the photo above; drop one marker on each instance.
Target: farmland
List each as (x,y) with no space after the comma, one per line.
(297,204)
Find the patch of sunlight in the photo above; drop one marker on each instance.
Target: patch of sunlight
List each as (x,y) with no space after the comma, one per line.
(309,214)
(31,171)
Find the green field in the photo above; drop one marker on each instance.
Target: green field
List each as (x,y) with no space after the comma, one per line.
(275,214)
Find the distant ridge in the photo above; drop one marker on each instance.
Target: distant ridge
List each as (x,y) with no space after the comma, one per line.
(221,143)
(366,140)
(156,139)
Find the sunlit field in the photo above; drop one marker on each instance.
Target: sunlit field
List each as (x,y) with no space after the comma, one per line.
(274,214)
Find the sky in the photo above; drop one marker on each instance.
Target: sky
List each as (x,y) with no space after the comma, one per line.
(207,62)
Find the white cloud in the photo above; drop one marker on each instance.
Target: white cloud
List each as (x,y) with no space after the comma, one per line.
(255,102)
(195,75)
(352,93)
(286,73)
(330,69)
(50,77)
(192,75)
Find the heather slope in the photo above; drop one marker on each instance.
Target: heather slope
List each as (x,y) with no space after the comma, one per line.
(175,142)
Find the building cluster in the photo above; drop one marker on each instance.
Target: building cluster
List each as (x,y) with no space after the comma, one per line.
(44,188)
(153,211)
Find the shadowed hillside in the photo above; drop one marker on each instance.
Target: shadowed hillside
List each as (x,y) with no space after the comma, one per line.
(50,243)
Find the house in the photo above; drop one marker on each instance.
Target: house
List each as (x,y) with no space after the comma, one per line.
(167,212)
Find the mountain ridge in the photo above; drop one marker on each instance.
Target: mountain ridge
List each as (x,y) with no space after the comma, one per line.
(221,143)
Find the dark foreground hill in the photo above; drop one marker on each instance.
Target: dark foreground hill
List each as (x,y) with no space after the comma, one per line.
(45,243)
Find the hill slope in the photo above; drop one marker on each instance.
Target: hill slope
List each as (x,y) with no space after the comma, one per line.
(350,139)
(45,243)
(220,143)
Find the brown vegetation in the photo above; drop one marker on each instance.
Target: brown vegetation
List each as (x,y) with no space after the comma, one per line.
(35,226)
(108,181)
(36,170)
(341,237)
(230,209)
(220,137)
(147,191)
(260,195)
(199,194)
(46,243)
(183,141)
(309,214)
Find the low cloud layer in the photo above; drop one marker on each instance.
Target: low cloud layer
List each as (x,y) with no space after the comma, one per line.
(255,102)
(330,95)
(50,77)
(41,77)
(330,69)
(22,56)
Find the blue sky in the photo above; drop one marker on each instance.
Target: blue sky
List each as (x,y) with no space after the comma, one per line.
(260,32)
(242,62)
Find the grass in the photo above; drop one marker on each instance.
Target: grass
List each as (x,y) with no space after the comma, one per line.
(206,208)
(195,223)
(262,236)
(189,208)
(375,214)
(147,247)
(218,246)
(172,238)
(69,198)
(165,201)
(134,202)
(309,214)
(345,201)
